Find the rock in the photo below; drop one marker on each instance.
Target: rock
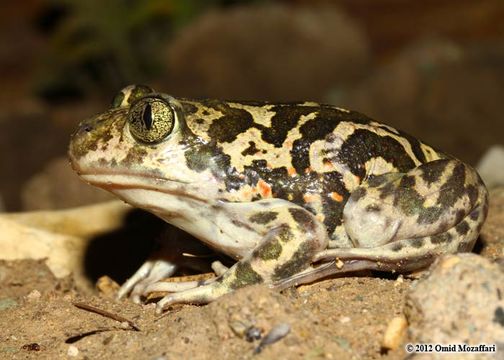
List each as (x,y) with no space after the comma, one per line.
(460,301)
(57,186)
(491,166)
(491,244)
(60,236)
(394,335)
(445,94)
(266,52)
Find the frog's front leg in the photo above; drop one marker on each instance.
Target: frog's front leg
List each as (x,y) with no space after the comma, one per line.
(172,244)
(291,237)
(403,221)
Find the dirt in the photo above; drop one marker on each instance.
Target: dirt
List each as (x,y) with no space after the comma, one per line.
(337,318)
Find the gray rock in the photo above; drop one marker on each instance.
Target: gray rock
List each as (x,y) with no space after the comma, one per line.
(267,52)
(491,166)
(460,301)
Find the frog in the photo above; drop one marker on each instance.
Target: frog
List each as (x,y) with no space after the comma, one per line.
(291,192)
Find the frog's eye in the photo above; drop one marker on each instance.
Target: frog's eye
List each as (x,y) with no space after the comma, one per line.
(130,94)
(151,119)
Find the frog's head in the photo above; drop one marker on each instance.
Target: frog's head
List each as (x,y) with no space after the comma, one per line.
(142,148)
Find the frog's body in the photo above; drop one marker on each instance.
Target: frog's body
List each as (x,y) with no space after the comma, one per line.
(279,187)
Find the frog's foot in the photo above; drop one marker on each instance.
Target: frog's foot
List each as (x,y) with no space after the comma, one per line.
(174,251)
(403,221)
(150,272)
(291,239)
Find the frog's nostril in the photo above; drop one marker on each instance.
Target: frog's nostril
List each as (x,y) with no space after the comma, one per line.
(87,128)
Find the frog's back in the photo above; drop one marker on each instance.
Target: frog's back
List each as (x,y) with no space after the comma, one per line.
(311,154)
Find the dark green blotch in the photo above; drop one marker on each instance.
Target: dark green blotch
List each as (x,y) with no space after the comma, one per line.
(269,250)
(397,247)
(453,189)
(459,215)
(245,275)
(407,198)
(373,208)
(387,190)
(264,217)
(441,238)
(499,316)
(303,218)
(472,192)
(358,193)
(299,261)
(433,171)
(429,215)
(364,145)
(117,100)
(198,157)
(417,243)
(464,247)
(285,119)
(320,128)
(462,228)
(135,156)
(231,124)
(474,214)
(188,108)
(251,150)
(333,182)
(285,234)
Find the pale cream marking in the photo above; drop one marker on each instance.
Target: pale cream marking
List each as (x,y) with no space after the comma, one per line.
(378,166)
(429,152)
(310,103)
(342,110)
(202,129)
(388,127)
(261,114)
(319,147)
(294,133)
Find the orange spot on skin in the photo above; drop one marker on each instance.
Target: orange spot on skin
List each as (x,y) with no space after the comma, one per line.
(291,171)
(308,170)
(264,188)
(320,217)
(336,197)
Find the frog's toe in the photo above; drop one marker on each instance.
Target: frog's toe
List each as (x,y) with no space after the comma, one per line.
(173,287)
(150,272)
(203,294)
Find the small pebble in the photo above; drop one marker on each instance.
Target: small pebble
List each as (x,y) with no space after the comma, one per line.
(33,295)
(253,333)
(239,328)
(278,332)
(395,332)
(344,319)
(73,351)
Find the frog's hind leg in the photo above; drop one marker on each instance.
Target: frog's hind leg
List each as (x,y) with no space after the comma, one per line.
(292,237)
(403,222)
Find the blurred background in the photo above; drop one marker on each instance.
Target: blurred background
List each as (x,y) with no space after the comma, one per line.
(434,68)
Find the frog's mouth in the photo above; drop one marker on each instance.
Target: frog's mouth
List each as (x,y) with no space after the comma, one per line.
(121,183)
(118,183)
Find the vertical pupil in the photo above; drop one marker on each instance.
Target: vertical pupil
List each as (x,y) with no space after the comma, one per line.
(147,116)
